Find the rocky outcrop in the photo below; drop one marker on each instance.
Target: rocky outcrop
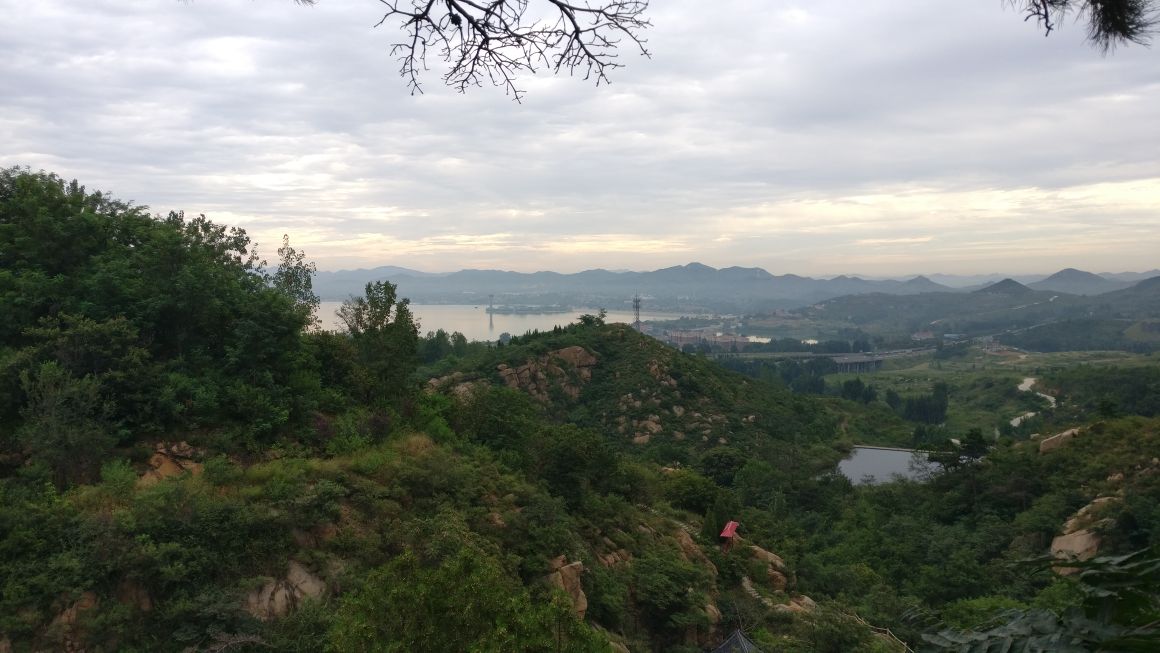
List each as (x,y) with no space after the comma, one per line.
(65,627)
(566,576)
(797,605)
(458,385)
(277,597)
(170,459)
(615,555)
(1080,539)
(776,572)
(568,369)
(690,552)
(1056,441)
(713,613)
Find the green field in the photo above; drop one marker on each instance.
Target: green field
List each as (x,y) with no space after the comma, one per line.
(983,383)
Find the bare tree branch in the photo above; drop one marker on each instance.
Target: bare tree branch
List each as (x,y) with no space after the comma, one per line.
(1110,22)
(496,40)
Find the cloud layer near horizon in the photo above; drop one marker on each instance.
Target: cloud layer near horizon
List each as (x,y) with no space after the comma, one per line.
(825,137)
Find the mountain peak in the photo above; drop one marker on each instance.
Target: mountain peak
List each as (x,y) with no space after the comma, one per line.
(1007,286)
(1073,275)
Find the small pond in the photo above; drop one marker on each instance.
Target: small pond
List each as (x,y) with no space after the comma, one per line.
(882,464)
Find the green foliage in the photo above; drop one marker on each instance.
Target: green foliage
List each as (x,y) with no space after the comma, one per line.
(384,335)
(1120,612)
(1111,390)
(970,613)
(295,278)
(451,593)
(668,590)
(66,423)
(169,321)
(689,490)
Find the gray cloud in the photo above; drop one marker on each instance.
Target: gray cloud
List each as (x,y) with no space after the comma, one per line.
(880,137)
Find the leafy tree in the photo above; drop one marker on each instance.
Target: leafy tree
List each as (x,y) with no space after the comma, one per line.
(295,278)
(721,464)
(65,422)
(385,337)
(667,589)
(173,318)
(451,593)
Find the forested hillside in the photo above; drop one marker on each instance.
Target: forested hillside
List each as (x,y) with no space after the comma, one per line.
(187,465)
(1037,320)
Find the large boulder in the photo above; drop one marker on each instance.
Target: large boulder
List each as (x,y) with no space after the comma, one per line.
(1080,539)
(171,459)
(566,576)
(1056,441)
(278,597)
(797,605)
(776,572)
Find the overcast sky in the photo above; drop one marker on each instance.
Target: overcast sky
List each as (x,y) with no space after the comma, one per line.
(825,137)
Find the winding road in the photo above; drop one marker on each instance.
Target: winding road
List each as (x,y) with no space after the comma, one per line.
(1026,386)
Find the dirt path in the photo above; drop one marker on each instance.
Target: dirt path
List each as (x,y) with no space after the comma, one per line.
(1025,386)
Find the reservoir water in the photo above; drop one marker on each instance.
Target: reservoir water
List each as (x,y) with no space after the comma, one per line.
(883,465)
(476,323)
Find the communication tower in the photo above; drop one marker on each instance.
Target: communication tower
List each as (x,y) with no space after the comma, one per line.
(636,312)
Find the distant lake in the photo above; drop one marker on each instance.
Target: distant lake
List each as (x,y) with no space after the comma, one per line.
(882,464)
(475,323)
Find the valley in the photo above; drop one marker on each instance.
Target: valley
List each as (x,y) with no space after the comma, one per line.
(188,464)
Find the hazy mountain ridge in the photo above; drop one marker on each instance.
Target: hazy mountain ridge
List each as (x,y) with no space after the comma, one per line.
(690,287)
(1037,319)
(1078,282)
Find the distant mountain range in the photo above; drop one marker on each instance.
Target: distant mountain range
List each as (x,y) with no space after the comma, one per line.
(1022,314)
(689,287)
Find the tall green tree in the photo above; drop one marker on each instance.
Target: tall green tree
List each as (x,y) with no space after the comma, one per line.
(295,278)
(386,337)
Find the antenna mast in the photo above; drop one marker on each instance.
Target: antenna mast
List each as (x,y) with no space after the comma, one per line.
(636,312)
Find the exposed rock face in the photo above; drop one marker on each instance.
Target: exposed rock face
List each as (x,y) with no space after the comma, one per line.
(458,384)
(777,580)
(712,613)
(1080,539)
(690,552)
(170,459)
(65,625)
(776,572)
(1056,441)
(278,597)
(797,604)
(567,577)
(565,368)
(617,557)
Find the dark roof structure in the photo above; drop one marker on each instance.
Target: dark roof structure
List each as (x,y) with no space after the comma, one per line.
(737,643)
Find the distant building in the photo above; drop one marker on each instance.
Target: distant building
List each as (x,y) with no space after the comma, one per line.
(922,335)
